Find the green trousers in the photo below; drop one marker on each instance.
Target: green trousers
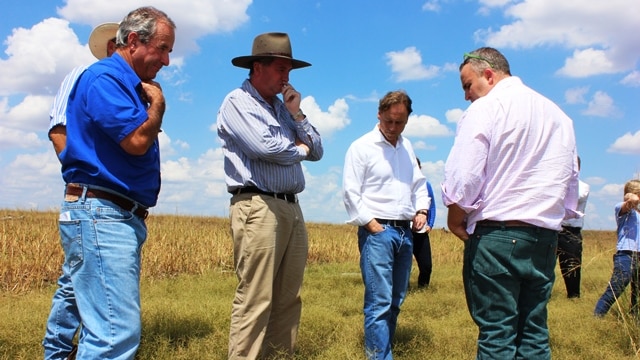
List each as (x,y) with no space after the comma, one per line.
(508,275)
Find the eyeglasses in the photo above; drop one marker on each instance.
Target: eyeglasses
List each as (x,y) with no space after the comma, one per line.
(467,56)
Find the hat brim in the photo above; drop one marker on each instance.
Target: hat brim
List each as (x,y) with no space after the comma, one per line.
(99,38)
(246,61)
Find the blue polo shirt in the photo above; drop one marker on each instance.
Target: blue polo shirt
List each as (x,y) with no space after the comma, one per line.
(104,107)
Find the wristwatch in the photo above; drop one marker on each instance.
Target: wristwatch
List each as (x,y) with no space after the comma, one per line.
(299,115)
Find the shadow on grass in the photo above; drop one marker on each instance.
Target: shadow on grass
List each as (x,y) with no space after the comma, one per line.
(411,339)
(177,332)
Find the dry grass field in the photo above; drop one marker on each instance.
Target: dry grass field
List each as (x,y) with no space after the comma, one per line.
(188,283)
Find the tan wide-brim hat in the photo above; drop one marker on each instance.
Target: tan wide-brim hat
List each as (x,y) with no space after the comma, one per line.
(272,44)
(100,37)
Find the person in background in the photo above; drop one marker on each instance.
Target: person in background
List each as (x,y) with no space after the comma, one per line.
(65,320)
(422,244)
(264,141)
(570,244)
(383,191)
(102,43)
(510,179)
(625,260)
(111,167)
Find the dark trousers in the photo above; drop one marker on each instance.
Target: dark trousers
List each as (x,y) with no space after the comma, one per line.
(570,258)
(422,253)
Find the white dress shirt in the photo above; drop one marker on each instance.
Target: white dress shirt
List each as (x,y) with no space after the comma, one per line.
(382,181)
(583,195)
(514,158)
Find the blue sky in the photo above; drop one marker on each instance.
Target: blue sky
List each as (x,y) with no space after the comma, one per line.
(581,54)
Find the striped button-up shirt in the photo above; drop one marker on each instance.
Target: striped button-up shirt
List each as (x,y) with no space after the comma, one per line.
(258,143)
(58,113)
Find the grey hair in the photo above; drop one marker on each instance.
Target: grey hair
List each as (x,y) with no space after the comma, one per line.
(486,58)
(142,21)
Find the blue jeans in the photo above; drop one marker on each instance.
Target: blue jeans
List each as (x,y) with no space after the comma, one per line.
(102,244)
(385,263)
(625,271)
(64,319)
(508,276)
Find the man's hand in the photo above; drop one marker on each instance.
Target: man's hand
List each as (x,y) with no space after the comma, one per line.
(304,146)
(374,226)
(152,92)
(291,99)
(457,222)
(419,221)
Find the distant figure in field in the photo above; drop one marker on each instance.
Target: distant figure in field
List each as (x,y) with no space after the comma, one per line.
(625,260)
(570,244)
(422,244)
(383,191)
(510,180)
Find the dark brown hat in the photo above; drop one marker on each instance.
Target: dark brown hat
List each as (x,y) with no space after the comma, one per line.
(272,44)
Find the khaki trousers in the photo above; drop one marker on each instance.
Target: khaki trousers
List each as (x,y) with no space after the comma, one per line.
(270,247)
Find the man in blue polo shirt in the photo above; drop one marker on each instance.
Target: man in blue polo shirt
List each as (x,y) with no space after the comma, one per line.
(111,166)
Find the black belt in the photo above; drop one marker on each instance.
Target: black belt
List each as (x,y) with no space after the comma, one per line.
(573,229)
(504,223)
(628,252)
(394,223)
(292,198)
(126,204)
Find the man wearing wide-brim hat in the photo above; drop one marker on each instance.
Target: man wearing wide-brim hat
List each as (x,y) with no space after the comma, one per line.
(264,140)
(102,43)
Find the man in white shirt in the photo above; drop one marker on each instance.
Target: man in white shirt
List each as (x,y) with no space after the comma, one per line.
(570,245)
(510,178)
(384,190)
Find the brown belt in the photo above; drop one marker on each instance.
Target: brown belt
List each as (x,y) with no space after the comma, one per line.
(505,223)
(126,204)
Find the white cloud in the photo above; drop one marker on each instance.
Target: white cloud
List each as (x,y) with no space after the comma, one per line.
(595,180)
(454,115)
(626,144)
(605,33)
(425,126)
(633,79)
(576,95)
(36,63)
(421,145)
(326,122)
(431,5)
(610,191)
(601,105)
(32,181)
(406,65)
(588,62)
(32,114)
(12,138)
